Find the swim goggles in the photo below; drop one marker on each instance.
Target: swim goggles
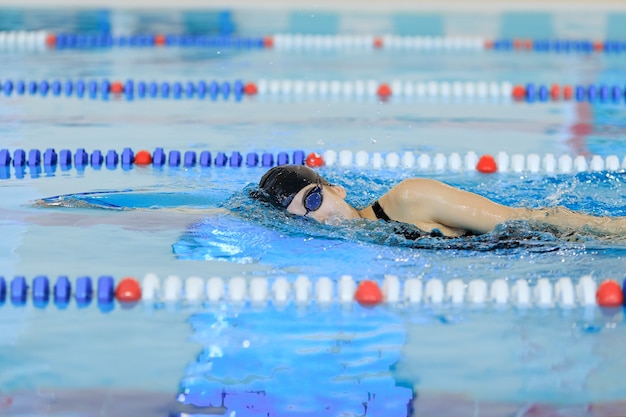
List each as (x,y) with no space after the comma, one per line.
(313,199)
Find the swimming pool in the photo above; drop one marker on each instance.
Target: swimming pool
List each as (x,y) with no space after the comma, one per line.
(274,329)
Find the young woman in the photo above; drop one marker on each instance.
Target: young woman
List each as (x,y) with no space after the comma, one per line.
(425,203)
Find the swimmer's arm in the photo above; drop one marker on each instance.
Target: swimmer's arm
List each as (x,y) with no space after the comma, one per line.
(570,220)
(424,200)
(449,206)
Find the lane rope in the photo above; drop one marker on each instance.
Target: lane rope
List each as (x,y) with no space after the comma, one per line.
(23,40)
(311,89)
(35,162)
(260,291)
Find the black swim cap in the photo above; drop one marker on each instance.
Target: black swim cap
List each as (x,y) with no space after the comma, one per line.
(281,183)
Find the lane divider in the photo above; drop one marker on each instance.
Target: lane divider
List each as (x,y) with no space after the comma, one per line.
(288,41)
(345,290)
(47,161)
(39,40)
(350,90)
(36,162)
(470,162)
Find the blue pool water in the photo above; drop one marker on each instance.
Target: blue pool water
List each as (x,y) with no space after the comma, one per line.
(159,359)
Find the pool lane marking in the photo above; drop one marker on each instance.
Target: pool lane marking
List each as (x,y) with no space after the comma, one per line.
(18,163)
(27,40)
(303,290)
(373,90)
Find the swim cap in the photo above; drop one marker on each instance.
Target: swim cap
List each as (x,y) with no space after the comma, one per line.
(281,183)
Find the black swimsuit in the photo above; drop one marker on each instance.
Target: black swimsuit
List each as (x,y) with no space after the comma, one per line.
(409,231)
(379,212)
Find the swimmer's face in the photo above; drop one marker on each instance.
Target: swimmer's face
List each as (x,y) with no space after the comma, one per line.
(329,200)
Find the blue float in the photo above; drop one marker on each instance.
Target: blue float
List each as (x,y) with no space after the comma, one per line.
(225,88)
(141,89)
(41,289)
(153,89)
(112,158)
(81,158)
(530,92)
(579,93)
(604,93)
(189,89)
(92,87)
(202,89)
(205,159)
(592,93)
(282,158)
(252,159)
(7,87)
(68,88)
(128,157)
(49,157)
(5,158)
(62,290)
(96,159)
(106,289)
(190,159)
(267,160)
(173,158)
(43,88)
(34,158)
(221,159)
(18,290)
(84,290)
(80,88)
(56,87)
(19,158)
(158,157)
(235,159)
(543,93)
(129,87)
(65,158)
(214,90)
(177,89)
(32,87)
(3,290)
(299,157)
(165,89)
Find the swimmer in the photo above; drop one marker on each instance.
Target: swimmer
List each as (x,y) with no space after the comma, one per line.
(425,203)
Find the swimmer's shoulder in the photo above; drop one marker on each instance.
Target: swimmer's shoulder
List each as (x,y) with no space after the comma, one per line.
(409,192)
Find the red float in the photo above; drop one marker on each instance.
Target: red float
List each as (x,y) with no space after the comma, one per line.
(143,157)
(51,40)
(128,290)
(567,92)
(250,89)
(314,160)
(519,92)
(378,43)
(116,88)
(159,40)
(384,91)
(555,92)
(268,42)
(609,294)
(486,164)
(368,294)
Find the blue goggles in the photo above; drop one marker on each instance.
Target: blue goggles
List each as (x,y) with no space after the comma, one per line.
(313,199)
